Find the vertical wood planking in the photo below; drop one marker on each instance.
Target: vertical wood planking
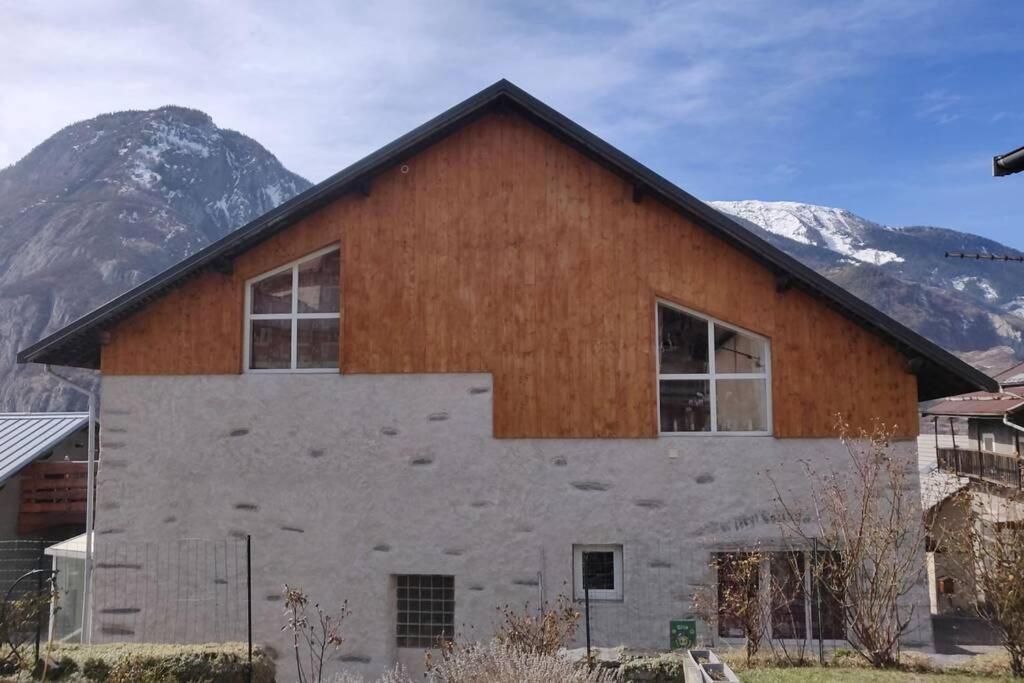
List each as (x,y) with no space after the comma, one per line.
(502,250)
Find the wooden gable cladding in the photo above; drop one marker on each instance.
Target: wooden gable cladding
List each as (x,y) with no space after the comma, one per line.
(499,249)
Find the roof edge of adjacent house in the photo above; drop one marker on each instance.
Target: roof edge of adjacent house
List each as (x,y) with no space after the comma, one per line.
(78,342)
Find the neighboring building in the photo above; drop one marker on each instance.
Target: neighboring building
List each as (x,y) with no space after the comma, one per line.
(972,460)
(492,358)
(42,488)
(42,475)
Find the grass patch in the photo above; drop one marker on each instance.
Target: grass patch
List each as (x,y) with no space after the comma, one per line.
(817,674)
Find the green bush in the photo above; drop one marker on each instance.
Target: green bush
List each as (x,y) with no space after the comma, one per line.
(95,669)
(664,668)
(152,663)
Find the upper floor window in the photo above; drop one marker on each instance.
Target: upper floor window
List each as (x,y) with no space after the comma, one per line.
(292,316)
(712,377)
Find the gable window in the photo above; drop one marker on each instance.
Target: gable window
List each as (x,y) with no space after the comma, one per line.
(599,568)
(712,377)
(292,316)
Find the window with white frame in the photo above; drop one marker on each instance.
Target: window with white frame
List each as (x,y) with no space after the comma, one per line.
(988,442)
(712,377)
(599,568)
(292,316)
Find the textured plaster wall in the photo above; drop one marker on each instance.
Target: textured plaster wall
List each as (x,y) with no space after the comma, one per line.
(345,480)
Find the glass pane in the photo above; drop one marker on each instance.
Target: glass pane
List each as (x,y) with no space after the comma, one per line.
(738,578)
(787,596)
(599,570)
(273,294)
(320,284)
(270,344)
(318,343)
(737,352)
(742,405)
(829,598)
(685,405)
(682,342)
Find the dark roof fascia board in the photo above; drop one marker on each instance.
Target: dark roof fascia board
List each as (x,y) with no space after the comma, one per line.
(581,139)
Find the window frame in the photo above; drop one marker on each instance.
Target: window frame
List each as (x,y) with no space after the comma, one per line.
(987,437)
(294,317)
(711,376)
(578,549)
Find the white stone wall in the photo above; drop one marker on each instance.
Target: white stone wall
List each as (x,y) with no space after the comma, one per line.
(345,480)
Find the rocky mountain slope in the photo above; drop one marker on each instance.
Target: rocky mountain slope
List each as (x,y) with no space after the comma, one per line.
(967,306)
(106,203)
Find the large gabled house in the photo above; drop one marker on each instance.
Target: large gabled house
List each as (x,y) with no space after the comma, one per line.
(490,359)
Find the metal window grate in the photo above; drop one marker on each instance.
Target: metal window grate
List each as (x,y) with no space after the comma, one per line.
(426,609)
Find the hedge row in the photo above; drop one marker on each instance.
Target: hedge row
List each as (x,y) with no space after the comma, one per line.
(154,663)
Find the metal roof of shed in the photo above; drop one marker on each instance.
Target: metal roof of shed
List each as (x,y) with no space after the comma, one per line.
(26,436)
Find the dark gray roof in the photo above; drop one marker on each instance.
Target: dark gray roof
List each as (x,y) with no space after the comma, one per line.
(1009,163)
(26,436)
(78,344)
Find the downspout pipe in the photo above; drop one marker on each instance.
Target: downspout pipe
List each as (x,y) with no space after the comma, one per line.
(1006,421)
(90,500)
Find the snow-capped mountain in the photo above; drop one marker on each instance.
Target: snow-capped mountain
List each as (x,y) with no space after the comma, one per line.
(835,229)
(104,204)
(965,305)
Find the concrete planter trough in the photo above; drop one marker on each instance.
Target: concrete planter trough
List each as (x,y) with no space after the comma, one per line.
(704,666)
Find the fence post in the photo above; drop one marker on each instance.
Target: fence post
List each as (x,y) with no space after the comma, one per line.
(39,591)
(816,572)
(248,595)
(586,609)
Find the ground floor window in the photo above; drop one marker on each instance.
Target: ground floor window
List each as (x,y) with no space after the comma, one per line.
(426,609)
(599,568)
(782,587)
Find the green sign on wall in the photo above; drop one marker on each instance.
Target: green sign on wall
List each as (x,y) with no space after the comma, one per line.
(682,633)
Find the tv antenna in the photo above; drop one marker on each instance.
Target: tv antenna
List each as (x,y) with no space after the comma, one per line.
(984,256)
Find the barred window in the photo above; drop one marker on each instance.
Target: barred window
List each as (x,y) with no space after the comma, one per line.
(599,568)
(426,609)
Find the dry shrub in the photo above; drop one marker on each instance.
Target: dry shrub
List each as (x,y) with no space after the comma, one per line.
(396,675)
(864,515)
(543,632)
(738,599)
(496,662)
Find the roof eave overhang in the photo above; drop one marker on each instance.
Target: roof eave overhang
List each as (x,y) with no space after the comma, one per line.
(78,343)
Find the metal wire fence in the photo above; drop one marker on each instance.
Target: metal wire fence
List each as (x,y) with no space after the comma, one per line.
(184,591)
(16,558)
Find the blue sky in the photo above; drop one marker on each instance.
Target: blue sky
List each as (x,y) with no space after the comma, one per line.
(891,109)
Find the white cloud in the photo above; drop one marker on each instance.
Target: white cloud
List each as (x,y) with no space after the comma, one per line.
(323,83)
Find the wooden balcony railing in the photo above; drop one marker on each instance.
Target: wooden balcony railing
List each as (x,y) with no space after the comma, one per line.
(52,494)
(995,468)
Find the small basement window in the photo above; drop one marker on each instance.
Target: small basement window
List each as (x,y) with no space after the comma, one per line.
(712,377)
(598,567)
(426,609)
(292,316)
